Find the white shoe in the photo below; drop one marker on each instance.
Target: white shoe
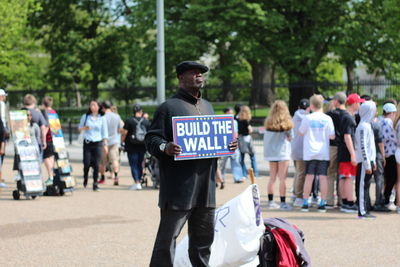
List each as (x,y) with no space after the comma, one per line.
(315,201)
(273,205)
(285,206)
(135,187)
(3,185)
(298,202)
(17,177)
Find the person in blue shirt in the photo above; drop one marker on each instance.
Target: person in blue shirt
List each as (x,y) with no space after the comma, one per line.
(95,141)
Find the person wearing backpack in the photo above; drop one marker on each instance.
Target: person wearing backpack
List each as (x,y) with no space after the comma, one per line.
(135,129)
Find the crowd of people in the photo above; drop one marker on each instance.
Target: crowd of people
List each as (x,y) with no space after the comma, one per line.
(345,146)
(104,136)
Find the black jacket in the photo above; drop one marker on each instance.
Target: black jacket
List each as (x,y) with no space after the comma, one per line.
(188,183)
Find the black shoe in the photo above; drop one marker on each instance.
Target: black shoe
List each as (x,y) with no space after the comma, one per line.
(381,208)
(95,187)
(322,208)
(304,208)
(367,216)
(85,181)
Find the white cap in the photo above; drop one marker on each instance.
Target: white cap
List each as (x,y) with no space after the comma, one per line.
(2,92)
(389,107)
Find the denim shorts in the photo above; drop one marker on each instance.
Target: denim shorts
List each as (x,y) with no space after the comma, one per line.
(317,167)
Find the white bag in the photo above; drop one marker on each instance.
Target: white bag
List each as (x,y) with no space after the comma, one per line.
(238,228)
(81,137)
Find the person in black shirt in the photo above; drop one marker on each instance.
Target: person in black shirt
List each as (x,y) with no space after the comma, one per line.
(339,101)
(187,187)
(135,149)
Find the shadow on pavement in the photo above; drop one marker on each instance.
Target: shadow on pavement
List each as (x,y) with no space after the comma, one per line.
(16,230)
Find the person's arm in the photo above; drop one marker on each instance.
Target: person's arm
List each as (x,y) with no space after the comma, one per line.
(332,135)
(157,135)
(381,147)
(303,127)
(82,124)
(350,147)
(366,161)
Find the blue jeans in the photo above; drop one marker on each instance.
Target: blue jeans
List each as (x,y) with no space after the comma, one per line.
(136,163)
(253,164)
(235,166)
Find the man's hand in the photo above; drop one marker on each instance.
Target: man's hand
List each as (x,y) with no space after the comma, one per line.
(172,149)
(105,149)
(233,145)
(353,160)
(384,161)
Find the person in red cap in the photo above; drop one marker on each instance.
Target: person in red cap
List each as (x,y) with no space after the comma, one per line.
(346,154)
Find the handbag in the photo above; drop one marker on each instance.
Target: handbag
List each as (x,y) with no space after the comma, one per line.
(82,133)
(245,144)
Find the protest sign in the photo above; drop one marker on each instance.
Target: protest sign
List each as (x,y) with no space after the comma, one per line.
(203,136)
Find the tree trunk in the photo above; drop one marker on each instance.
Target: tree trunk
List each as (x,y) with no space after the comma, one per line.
(350,77)
(299,89)
(262,92)
(225,61)
(93,86)
(227,92)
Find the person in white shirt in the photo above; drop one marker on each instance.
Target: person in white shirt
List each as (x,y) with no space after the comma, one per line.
(365,156)
(317,129)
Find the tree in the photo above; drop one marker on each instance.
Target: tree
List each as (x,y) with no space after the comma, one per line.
(18,68)
(297,35)
(86,48)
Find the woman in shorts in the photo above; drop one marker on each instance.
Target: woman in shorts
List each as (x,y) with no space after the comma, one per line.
(277,150)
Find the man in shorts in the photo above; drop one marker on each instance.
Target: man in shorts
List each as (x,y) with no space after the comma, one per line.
(317,129)
(346,154)
(112,157)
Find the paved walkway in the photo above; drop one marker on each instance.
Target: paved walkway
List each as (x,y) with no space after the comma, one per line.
(117,227)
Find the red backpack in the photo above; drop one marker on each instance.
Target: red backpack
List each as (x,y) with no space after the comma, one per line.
(282,245)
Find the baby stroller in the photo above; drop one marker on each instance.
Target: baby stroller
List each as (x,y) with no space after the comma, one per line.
(150,170)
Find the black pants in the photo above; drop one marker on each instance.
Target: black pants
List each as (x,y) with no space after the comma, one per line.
(363,182)
(379,180)
(390,177)
(200,233)
(91,158)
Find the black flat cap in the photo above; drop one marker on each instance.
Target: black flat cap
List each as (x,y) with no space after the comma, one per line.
(190,65)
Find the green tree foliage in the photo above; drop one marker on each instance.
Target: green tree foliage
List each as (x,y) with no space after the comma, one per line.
(20,57)
(85,46)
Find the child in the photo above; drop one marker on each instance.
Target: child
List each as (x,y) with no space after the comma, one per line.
(346,154)
(365,155)
(278,134)
(317,129)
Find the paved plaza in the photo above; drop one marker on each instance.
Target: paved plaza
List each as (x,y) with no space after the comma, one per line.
(117,227)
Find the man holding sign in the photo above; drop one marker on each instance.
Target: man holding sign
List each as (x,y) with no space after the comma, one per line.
(187,187)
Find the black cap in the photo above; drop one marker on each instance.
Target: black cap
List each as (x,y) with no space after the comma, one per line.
(136,108)
(304,103)
(190,65)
